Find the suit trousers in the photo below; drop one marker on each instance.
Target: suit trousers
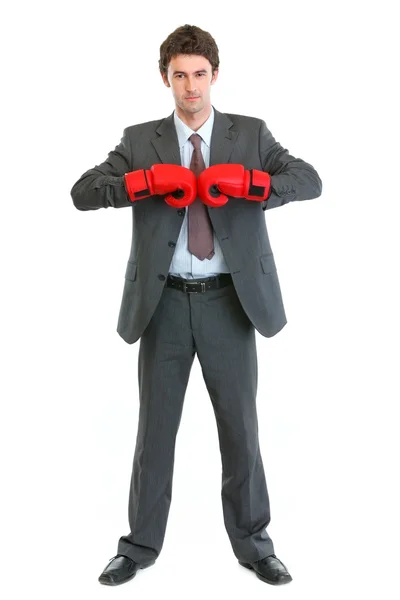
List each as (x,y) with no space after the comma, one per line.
(214,325)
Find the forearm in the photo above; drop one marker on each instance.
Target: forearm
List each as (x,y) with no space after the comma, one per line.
(104,185)
(300,182)
(291,178)
(95,190)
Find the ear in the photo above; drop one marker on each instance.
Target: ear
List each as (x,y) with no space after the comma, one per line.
(214,77)
(165,79)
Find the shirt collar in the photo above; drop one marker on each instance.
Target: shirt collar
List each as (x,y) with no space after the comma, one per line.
(184,131)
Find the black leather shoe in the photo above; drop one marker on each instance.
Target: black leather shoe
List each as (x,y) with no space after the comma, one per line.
(269,569)
(120,569)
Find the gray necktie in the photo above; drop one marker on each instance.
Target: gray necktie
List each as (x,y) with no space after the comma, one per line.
(200,241)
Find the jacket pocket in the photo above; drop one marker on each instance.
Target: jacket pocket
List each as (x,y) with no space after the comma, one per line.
(131,269)
(268,262)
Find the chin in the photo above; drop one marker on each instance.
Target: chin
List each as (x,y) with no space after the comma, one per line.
(194,108)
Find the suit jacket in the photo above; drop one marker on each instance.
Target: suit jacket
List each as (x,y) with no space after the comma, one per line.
(239,225)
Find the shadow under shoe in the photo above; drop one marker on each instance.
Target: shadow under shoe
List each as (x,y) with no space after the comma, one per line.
(121,569)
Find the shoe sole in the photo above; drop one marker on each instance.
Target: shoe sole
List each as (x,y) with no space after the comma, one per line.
(108,582)
(265,579)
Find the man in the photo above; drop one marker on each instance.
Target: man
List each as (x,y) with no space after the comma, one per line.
(200,278)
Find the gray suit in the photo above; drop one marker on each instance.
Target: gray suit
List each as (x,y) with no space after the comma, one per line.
(218,325)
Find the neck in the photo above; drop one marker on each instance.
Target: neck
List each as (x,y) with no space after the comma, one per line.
(194,120)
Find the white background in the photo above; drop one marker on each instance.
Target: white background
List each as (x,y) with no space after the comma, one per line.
(322,75)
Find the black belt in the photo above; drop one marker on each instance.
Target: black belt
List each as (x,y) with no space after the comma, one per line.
(196,286)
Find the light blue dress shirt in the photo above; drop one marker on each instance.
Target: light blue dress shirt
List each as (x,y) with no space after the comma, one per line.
(184,263)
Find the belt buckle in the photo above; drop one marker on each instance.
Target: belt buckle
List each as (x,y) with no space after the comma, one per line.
(203,287)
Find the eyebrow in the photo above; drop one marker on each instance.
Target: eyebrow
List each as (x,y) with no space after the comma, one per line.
(199,71)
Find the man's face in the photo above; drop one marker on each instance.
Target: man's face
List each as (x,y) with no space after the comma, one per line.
(189,76)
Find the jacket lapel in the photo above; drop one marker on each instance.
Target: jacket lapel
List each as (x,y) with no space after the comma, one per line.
(223,139)
(167,145)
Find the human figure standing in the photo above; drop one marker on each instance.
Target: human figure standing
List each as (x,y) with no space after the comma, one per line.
(201,277)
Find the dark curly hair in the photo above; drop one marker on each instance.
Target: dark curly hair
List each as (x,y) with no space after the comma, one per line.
(188,39)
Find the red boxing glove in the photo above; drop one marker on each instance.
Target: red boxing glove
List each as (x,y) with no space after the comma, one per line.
(179,183)
(216,183)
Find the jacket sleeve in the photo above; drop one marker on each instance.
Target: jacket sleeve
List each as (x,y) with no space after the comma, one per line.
(291,178)
(104,185)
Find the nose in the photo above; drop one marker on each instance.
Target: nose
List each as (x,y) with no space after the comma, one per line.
(191,86)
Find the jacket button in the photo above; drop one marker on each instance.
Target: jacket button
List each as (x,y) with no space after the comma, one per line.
(162,277)
(171,244)
(181,212)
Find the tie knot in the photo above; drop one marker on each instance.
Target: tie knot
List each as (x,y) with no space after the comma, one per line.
(196,141)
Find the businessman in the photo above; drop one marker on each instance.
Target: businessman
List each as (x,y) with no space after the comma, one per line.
(200,279)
